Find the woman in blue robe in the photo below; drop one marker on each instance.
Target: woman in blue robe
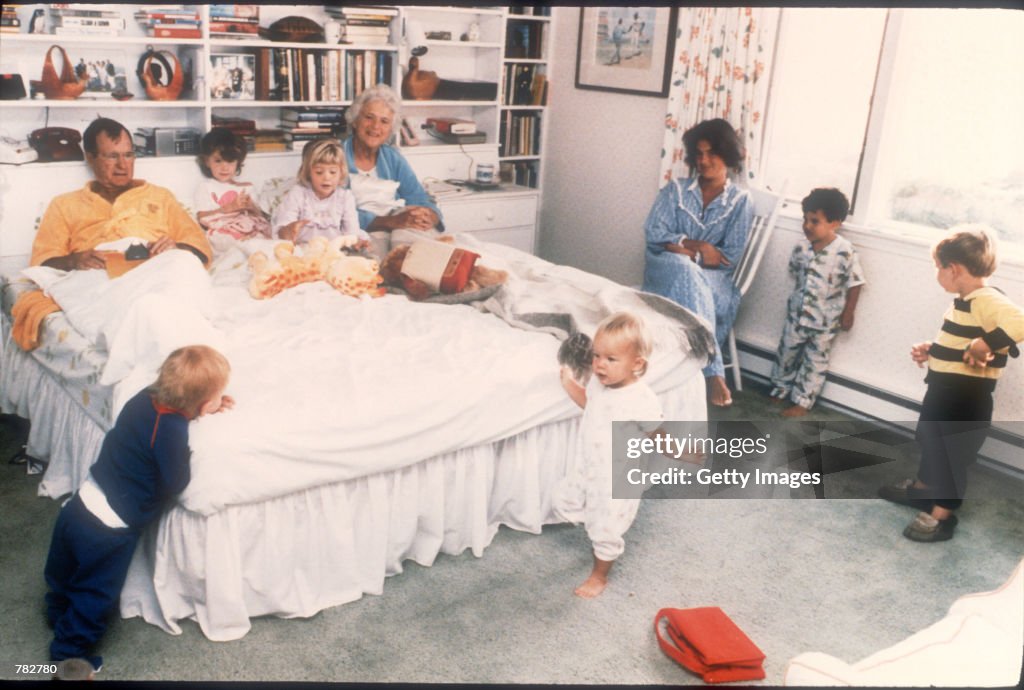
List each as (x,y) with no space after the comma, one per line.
(696,232)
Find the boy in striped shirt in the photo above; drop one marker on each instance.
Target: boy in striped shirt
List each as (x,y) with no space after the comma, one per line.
(979,332)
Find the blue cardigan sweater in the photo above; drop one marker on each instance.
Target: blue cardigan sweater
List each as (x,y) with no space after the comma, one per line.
(391,165)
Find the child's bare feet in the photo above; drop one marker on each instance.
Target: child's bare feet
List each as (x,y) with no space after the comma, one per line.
(795,411)
(591,587)
(598,580)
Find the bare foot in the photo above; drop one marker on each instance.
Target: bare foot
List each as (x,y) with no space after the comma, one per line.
(795,411)
(718,392)
(591,587)
(777,401)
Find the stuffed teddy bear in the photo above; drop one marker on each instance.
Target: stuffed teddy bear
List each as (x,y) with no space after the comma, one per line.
(478,278)
(321,260)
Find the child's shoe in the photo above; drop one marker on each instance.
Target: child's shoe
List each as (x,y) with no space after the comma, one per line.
(75,669)
(903,493)
(925,528)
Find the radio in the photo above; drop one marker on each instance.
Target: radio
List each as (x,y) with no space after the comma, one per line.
(167,141)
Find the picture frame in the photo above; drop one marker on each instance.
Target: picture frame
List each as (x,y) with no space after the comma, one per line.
(106,71)
(232,76)
(626,49)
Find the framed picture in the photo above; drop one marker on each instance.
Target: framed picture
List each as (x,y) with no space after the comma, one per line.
(626,49)
(233,76)
(105,70)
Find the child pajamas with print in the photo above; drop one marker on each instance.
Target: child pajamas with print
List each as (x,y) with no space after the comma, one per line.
(823,279)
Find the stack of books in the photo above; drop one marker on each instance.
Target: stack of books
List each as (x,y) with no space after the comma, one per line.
(267,140)
(239,125)
(87,19)
(234,21)
(169,21)
(9,22)
(523,84)
(364,25)
(302,125)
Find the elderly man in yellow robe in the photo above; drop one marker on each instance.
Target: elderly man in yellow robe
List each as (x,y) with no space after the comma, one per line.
(112,206)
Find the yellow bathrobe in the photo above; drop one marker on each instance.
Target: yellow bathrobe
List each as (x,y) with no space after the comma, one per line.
(80,220)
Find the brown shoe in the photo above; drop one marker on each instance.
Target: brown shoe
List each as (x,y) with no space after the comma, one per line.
(903,493)
(927,529)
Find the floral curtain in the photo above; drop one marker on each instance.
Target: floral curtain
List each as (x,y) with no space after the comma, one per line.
(721,68)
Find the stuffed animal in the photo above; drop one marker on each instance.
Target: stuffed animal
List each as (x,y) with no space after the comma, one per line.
(355,276)
(321,260)
(576,352)
(391,271)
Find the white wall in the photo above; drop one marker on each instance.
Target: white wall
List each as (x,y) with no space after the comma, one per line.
(600,168)
(602,156)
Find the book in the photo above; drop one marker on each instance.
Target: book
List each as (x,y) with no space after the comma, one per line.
(351,30)
(236,11)
(448,138)
(175,32)
(352,10)
(451,125)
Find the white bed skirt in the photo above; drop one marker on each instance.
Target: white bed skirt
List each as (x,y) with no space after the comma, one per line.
(61,432)
(298,554)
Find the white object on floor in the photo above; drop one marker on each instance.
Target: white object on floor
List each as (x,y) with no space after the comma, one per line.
(977,644)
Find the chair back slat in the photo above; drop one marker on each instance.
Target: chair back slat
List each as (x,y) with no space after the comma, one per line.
(766,213)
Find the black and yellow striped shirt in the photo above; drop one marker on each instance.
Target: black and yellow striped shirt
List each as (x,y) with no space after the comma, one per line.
(985,313)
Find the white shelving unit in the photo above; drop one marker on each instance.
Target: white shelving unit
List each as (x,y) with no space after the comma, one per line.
(483,59)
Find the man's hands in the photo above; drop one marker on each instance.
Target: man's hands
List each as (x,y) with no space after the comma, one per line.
(160,245)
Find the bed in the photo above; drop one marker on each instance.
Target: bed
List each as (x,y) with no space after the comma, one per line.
(366,431)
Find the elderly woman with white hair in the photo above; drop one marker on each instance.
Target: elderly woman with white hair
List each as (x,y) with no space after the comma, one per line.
(388,194)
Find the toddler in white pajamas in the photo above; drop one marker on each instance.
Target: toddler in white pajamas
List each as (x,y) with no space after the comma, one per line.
(614,393)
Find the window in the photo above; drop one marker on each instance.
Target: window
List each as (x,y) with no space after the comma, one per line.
(941,141)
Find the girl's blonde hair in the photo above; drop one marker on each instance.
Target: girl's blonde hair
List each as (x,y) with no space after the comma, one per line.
(190,377)
(321,151)
(970,245)
(630,328)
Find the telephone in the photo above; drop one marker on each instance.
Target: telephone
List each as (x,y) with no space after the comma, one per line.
(16,152)
(57,144)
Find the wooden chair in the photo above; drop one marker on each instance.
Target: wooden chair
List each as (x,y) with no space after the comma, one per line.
(766,213)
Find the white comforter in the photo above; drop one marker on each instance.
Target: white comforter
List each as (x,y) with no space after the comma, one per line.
(329,387)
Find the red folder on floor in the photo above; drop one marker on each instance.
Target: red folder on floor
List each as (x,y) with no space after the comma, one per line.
(707,642)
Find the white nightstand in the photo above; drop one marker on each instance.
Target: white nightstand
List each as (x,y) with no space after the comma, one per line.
(507,216)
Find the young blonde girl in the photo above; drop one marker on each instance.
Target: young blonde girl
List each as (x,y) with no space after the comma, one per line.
(319,206)
(614,393)
(222,202)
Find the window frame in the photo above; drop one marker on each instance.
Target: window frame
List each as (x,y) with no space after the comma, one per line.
(866,183)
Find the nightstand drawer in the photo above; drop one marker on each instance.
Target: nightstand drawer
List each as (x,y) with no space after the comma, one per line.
(467,215)
(520,238)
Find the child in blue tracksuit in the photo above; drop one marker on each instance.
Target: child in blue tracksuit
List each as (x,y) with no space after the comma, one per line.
(143,462)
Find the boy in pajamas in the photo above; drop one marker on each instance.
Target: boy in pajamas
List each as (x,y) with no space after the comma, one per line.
(828,281)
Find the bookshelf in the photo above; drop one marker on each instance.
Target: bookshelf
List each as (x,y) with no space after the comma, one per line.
(233,74)
(524,94)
